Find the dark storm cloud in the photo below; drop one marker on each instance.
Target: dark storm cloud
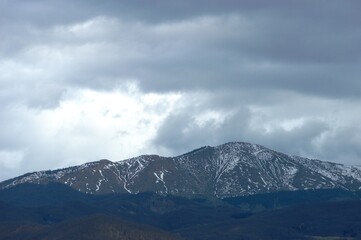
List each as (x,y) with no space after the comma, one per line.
(45,12)
(299,46)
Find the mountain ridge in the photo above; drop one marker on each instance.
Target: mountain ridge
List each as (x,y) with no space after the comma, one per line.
(228,170)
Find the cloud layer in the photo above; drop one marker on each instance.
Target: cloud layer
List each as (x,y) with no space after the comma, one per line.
(85,80)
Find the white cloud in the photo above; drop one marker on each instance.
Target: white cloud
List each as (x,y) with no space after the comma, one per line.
(86,126)
(10,159)
(10,162)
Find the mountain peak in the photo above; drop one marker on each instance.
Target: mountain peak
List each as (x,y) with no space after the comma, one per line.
(245,145)
(104,161)
(197,150)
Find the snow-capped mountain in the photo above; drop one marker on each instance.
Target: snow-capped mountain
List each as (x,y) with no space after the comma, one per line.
(231,169)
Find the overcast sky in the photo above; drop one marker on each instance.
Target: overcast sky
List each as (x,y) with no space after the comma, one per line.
(86,80)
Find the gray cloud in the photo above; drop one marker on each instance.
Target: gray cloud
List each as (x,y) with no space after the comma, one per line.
(183,130)
(180,132)
(284,74)
(303,126)
(298,47)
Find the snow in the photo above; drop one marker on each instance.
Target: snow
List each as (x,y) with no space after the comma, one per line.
(265,183)
(160,178)
(99,183)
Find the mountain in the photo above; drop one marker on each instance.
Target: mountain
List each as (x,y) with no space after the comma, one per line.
(229,170)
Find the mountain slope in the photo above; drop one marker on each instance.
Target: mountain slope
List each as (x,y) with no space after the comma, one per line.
(89,227)
(229,170)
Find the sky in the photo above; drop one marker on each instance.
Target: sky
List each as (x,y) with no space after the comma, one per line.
(87,80)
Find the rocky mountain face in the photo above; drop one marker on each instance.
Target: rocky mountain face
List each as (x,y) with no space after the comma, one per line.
(229,170)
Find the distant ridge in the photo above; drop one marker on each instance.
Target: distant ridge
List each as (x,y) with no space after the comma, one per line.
(228,170)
